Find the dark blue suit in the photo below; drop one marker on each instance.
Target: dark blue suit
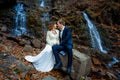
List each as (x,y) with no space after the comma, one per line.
(66,44)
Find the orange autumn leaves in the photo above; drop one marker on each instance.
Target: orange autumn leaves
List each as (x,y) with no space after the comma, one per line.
(11,48)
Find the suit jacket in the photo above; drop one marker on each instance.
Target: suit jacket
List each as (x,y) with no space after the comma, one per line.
(66,40)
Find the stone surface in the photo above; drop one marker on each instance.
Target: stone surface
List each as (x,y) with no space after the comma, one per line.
(4,28)
(49,77)
(28,48)
(36,43)
(81,64)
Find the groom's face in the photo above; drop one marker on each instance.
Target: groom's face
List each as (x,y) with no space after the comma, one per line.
(59,25)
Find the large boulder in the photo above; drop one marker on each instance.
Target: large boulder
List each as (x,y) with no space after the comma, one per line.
(81,64)
(36,43)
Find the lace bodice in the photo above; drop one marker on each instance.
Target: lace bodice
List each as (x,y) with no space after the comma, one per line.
(52,38)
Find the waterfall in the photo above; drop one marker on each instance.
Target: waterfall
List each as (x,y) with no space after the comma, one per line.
(95,37)
(42,4)
(20,20)
(45,17)
(114,60)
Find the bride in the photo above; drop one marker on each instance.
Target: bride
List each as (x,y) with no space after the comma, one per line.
(45,60)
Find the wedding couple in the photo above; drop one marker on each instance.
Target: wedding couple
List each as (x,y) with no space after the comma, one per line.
(57,40)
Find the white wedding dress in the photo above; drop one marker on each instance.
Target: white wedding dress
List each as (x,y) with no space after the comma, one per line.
(45,60)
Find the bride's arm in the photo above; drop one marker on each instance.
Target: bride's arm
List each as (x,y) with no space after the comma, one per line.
(53,41)
(48,39)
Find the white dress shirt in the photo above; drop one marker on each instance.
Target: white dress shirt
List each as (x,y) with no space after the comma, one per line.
(62,32)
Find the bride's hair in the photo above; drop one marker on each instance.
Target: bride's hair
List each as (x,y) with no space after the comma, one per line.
(51,25)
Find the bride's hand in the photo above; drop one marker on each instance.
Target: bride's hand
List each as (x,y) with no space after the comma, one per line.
(57,42)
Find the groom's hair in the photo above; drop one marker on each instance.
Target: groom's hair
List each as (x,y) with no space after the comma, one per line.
(61,22)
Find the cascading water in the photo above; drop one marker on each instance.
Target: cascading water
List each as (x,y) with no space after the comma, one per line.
(20,20)
(45,17)
(42,4)
(95,37)
(114,60)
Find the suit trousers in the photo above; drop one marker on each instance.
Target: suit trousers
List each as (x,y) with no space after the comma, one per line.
(57,48)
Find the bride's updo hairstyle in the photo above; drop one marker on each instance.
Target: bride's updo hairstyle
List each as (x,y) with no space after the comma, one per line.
(51,25)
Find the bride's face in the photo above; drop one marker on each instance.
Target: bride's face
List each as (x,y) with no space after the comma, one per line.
(55,26)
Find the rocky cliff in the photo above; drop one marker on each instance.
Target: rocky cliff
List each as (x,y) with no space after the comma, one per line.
(104,13)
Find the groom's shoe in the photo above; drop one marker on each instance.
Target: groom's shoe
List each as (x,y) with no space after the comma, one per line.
(68,70)
(57,66)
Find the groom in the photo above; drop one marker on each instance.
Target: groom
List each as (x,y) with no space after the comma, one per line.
(66,44)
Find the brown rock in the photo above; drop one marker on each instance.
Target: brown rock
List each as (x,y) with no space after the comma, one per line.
(28,48)
(111,76)
(4,28)
(81,64)
(96,61)
(36,43)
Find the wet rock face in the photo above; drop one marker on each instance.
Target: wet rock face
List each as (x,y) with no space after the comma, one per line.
(6,3)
